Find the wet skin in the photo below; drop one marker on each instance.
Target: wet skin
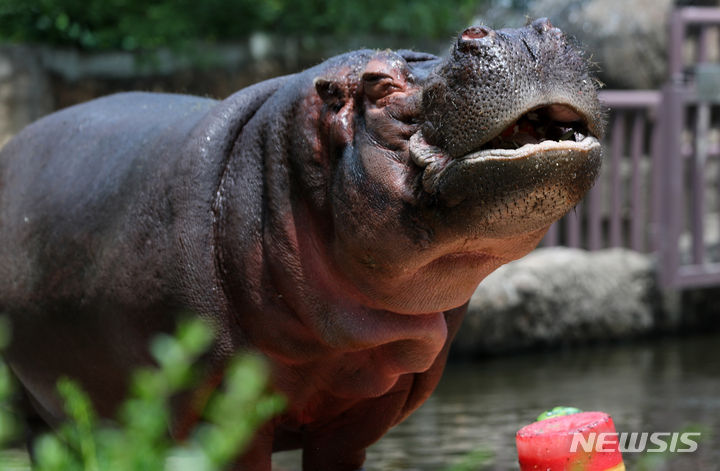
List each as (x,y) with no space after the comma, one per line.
(336,221)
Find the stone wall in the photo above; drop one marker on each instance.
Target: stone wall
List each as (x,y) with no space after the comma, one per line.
(24,90)
(558,296)
(35,80)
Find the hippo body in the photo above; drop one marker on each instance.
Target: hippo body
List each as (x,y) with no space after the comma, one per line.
(331,220)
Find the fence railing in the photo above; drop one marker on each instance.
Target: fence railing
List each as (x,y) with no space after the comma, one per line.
(619,212)
(691,107)
(659,190)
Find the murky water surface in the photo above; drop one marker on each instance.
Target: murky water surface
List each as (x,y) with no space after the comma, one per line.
(658,386)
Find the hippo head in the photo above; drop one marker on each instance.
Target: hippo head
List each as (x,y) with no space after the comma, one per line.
(443,170)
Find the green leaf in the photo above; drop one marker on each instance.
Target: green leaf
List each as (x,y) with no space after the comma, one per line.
(80,410)
(557,412)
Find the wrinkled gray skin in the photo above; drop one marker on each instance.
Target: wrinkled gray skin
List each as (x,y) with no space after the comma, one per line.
(336,221)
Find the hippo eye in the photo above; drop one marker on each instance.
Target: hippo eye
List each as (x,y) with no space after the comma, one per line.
(378,85)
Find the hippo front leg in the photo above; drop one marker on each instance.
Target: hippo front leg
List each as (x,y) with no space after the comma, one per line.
(341,445)
(258,456)
(330,454)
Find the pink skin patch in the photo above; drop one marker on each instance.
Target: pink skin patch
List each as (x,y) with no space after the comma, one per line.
(476,32)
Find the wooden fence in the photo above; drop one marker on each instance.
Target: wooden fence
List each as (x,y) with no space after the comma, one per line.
(660,187)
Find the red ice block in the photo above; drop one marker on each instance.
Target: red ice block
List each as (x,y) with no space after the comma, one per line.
(547,445)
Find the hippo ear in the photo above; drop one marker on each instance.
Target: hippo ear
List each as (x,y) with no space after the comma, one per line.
(336,95)
(333,94)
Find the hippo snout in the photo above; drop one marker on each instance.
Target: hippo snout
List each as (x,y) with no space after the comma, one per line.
(511,127)
(492,78)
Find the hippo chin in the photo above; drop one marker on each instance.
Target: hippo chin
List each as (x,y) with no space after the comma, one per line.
(336,221)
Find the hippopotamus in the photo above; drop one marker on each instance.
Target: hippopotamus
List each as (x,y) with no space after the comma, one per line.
(335,221)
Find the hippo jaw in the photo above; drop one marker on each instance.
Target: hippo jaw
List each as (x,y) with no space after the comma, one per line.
(510,132)
(540,165)
(553,127)
(437,165)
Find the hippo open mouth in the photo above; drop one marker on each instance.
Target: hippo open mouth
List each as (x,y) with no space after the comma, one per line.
(548,123)
(510,133)
(543,136)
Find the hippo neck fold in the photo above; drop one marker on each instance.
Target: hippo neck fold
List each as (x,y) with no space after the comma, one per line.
(317,321)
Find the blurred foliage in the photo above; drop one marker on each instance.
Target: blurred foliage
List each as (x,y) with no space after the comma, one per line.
(8,425)
(474,461)
(558,412)
(148,24)
(140,438)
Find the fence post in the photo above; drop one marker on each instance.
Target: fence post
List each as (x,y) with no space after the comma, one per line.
(676,45)
(673,120)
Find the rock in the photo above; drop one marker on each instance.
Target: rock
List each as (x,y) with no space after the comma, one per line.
(557,296)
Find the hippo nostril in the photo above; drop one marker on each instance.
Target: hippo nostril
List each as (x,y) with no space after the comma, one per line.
(475,32)
(471,39)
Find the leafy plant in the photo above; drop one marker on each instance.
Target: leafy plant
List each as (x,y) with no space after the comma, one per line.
(8,425)
(473,461)
(140,438)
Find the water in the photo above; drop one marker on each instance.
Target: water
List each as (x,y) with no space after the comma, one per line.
(658,386)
